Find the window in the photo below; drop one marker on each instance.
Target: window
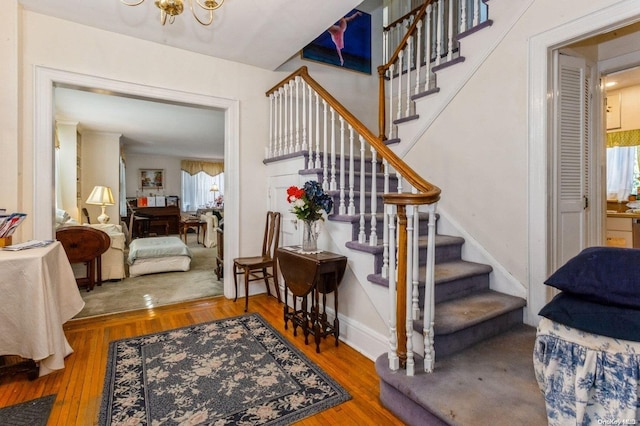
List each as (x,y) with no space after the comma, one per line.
(197,190)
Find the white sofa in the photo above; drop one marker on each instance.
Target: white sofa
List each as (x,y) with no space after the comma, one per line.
(112,259)
(212,224)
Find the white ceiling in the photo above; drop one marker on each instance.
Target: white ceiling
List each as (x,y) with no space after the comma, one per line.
(262,33)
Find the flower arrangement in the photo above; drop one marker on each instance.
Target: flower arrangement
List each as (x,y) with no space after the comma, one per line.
(309,202)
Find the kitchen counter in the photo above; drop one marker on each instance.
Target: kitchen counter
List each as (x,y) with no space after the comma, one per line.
(621,214)
(623,229)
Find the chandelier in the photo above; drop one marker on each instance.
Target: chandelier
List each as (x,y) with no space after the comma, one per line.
(173,8)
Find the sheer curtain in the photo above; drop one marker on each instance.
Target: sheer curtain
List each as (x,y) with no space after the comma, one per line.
(196,190)
(620,167)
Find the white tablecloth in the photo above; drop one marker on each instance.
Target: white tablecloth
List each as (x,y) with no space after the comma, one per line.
(38,294)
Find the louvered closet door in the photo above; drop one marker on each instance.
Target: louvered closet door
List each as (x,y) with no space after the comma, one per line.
(572,136)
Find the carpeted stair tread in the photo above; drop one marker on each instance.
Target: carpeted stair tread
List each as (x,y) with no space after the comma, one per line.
(489,383)
(445,272)
(458,314)
(456,269)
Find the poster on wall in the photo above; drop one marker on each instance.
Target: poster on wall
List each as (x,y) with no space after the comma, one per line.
(151,178)
(346,44)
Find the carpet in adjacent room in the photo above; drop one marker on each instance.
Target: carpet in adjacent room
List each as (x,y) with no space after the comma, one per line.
(232,371)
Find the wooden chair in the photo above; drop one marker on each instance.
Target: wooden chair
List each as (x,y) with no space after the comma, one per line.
(260,267)
(84,244)
(220,255)
(85,213)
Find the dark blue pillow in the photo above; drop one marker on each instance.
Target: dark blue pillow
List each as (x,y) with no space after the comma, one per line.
(608,275)
(606,320)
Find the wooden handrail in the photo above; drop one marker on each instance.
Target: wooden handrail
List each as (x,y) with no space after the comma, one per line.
(410,31)
(428,193)
(400,19)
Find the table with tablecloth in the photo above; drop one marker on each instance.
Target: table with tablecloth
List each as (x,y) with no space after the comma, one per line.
(38,294)
(586,378)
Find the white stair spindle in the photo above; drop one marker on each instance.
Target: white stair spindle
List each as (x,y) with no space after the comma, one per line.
(415,271)
(280,122)
(385,226)
(394,361)
(400,65)
(305,146)
(407,111)
(476,12)
(318,162)
(428,48)
(418,57)
(286,119)
(325,152)
(297,84)
(342,209)
(351,210)
(391,115)
(373,236)
(410,366)
(362,236)
(332,181)
(429,294)
(439,31)
(308,139)
(450,35)
(291,122)
(271,122)
(463,16)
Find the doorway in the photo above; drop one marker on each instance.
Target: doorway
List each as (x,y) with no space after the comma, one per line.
(604,24)
(44,191)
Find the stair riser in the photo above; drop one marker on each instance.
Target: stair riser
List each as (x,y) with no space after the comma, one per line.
(423,225)
(449,344)
(356,164)
(457,288)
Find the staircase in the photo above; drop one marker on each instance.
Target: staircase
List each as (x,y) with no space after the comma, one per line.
(483,350)
(480,341)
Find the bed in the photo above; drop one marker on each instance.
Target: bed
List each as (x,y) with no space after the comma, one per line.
(158,254)
(587,351)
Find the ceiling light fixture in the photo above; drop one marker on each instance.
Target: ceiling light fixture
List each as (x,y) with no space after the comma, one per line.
(172,8)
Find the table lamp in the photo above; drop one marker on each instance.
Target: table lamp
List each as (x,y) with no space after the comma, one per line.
(214,189)
(101,196)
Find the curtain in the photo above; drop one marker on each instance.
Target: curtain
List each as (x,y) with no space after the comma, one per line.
(196,190)
(195,167)
(621,161)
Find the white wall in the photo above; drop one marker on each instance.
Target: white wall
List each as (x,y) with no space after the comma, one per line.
(89,51)
(68,171)
(170,165)
(100,154)
(629,107)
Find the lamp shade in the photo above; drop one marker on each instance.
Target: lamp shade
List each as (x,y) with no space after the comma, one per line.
(214,187)
(101,196)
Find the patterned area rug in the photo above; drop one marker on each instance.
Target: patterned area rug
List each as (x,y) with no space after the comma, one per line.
(235,371)
(30,413)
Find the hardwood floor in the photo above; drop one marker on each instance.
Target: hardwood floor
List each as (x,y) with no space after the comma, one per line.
(79,386)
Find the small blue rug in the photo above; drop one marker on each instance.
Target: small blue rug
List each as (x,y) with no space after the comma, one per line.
(233,371)
(30,413)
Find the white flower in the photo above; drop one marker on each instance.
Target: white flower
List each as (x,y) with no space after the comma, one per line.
(298,203)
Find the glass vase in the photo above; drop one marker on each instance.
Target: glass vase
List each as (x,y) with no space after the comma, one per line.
(310,232)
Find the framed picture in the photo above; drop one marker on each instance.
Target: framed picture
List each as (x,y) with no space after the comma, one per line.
(151,178)
(346,44)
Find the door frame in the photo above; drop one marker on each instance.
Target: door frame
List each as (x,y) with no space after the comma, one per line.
(540,121)
(44,191)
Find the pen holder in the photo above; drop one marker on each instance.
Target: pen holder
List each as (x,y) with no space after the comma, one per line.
(5,241)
